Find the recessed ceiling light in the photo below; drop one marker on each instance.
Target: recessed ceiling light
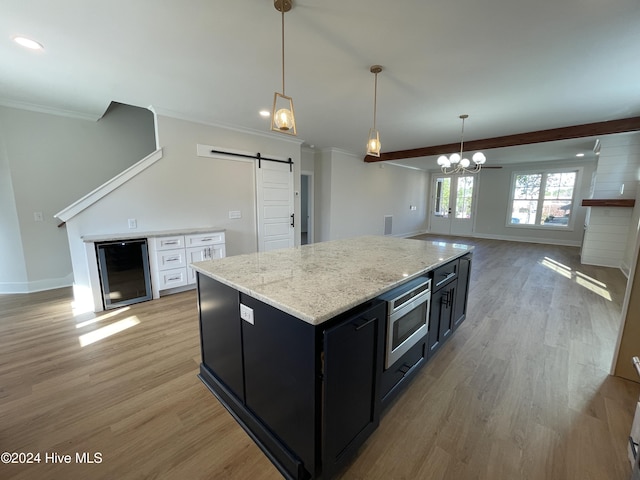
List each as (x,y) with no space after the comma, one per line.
(265,113)
(579,154)
(28,43)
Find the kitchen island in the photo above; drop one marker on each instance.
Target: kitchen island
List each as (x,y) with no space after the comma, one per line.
(293,341)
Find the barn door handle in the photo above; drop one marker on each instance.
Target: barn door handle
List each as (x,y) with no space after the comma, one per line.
(292,220)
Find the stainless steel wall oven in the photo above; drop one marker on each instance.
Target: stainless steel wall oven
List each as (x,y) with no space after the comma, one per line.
(407,317)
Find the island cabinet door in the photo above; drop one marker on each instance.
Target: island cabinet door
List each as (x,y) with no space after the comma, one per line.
(462,293)
(441,316)
(353,354)
(220,333)
(281,371)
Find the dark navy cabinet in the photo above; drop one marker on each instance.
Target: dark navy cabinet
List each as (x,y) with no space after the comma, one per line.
(352,367)
(307,394)
(448,300)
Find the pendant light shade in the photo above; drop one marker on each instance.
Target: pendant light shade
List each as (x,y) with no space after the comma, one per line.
(456,163)
(373,144)
(283,118)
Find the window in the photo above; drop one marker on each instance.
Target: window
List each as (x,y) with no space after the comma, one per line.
(543,199)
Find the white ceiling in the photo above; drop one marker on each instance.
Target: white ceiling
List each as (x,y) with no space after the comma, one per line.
(513,65)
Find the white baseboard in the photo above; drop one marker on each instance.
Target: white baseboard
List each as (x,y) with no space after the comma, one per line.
(36,286)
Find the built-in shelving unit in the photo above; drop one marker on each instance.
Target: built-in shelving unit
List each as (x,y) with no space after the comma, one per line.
(608,202)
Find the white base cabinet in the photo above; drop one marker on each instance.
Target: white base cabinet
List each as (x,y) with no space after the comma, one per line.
(170,256)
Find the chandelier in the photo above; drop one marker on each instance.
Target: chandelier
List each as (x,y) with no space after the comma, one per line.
(456,163)
(373,144)
(282,117)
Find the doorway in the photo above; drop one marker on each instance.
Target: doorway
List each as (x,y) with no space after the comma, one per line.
(306,208)
(452,204)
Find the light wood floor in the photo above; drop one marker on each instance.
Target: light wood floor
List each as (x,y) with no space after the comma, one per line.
(521,391)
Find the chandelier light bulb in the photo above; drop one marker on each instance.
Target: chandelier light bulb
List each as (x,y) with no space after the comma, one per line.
(454,158)
(443,161)
(464,163)
(479,158)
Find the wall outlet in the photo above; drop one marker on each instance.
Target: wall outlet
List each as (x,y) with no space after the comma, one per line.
(133,223)
(246,313)
(235,214)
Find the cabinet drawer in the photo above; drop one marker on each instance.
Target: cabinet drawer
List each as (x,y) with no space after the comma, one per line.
(401,370)
(445,274)
(172,278)
(169,259)
(168,243)
(204,239)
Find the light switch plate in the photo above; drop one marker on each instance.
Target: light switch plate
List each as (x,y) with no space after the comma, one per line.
(246,313)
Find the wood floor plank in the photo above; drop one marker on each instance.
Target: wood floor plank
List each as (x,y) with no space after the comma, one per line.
(520,391)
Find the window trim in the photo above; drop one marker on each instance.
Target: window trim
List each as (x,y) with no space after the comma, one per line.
(570,227)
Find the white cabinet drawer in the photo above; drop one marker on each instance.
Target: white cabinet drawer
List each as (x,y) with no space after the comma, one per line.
(168,243)
(172,278)
(204,239)
(169,259)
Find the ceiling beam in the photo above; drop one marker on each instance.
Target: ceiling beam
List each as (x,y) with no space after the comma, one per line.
(564,133)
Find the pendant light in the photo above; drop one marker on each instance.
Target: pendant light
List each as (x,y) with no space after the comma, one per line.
(456,163)
(373,144)
(282,116)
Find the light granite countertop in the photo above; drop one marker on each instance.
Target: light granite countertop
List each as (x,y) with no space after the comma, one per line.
(110,237)
(319,281)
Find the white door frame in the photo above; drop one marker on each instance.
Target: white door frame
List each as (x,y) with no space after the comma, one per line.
(451,224)
(310,204)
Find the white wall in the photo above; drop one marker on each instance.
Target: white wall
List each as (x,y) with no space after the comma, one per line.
(13,270)
(609,240)
(356,196)
(493,205)
(183,190)
(47,162)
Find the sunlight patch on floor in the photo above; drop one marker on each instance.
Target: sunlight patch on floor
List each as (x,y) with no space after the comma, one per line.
(579,278)
(104,316)
(108,330)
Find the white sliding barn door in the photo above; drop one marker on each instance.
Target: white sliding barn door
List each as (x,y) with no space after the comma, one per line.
(274,192)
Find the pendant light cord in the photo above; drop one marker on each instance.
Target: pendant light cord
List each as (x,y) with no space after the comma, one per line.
(375,99)
(462,139)
(283,48)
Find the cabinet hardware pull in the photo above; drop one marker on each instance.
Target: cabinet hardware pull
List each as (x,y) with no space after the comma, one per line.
(293,220)
(360,327)
(172,242)
(173,278)
(206,239)
(634,447)
(449,276)
(172,259)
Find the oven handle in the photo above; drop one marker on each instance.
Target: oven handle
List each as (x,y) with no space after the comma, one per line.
(407,307)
